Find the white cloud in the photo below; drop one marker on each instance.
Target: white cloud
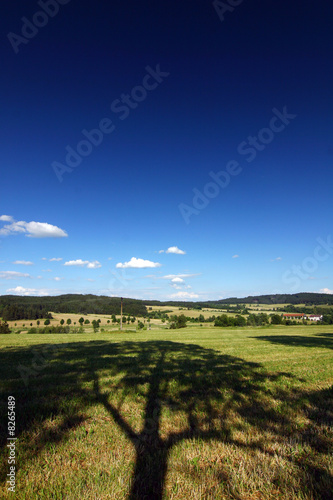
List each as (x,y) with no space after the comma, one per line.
(184,295)
(31,229)
(138,264)
(84,263)
(326,290)
(161,251)
(171,276)
(277,258)
(58,279)
(6,218)
(177,280)
(11,275)
(175,250)
(235,256)
(23,262)
(56,259)
(20,290)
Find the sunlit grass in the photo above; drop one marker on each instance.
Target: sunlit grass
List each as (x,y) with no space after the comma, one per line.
(197,413)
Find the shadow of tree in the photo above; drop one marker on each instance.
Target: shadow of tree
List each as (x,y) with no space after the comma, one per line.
(319,340)
(205,387)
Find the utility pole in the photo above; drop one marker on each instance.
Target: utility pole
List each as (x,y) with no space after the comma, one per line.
(121,313)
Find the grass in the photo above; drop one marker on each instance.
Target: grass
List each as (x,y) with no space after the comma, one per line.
(198,413)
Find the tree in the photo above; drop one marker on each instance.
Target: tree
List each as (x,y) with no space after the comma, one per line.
(46,322)
(4,328)
(87,322)
(62,322)
(276,319)
(179,322)
(38,322)
(69,321)
(95,325)
(81,321)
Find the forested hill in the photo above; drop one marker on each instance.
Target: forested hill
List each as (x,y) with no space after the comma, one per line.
(13,307)
(296,298)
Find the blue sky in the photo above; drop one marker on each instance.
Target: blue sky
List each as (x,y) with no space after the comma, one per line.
(166,151)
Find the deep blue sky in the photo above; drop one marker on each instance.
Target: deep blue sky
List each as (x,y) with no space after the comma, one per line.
(127,198)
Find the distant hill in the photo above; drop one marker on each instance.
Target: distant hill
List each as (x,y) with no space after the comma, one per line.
(13,307)
(296,298)
(16,307)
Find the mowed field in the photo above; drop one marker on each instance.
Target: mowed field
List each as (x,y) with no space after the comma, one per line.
(196,413)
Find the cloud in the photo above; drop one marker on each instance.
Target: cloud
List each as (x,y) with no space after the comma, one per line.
(184,295)
(138,264)
(6,218)
(177,280)
(57,278)
(175,250)
(235,256)
(11,275)
(84,263)
(326,290)
(277,258)
(161,251)
(20,290)
(31,229)
(23,262)
(172,276)
(56,259)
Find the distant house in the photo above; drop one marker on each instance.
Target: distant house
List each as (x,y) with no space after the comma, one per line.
(294,315)
(315,317)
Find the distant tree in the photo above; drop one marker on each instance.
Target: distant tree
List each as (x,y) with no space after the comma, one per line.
(95,325)
(81,321)
(38,322)
(276,319)
(69,321)
(4,328)
(46,322)
(179,322)
(87,322)
(62,322)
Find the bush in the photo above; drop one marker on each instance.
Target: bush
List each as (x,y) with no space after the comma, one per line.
(4,328)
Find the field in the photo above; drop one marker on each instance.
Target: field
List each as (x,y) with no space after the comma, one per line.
(197,413)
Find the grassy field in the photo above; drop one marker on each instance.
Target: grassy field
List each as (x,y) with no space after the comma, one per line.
(197,413)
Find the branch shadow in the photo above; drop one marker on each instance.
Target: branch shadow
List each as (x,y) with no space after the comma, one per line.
(324,340)
(203,385)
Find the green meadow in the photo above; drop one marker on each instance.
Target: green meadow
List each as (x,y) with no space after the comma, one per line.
(196,413)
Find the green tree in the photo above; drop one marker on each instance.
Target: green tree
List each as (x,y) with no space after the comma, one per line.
(276,319)
(62,322)
(4,328)
(69,321)
(95,325)
(81,321)
(46,322)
